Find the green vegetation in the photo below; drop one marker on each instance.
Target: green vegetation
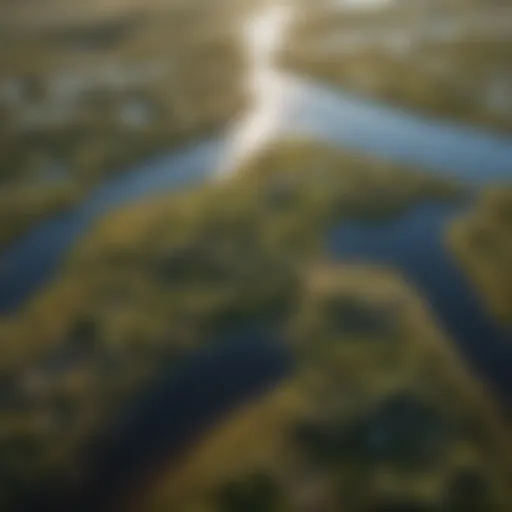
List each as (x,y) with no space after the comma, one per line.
(167,276)
(82,99)
(381,417)
(451,64)
(482,242)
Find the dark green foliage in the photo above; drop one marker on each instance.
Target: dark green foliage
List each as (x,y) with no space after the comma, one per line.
(399,505)
(403,431)
(468,492)
(357,318)
(258,492)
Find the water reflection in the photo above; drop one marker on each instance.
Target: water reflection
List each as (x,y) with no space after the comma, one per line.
(263,36)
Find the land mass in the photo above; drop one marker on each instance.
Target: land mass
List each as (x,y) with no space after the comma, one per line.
(379,415)
(161,279)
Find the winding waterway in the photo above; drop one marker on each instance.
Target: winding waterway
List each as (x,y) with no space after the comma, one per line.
(283,105)
(288,105)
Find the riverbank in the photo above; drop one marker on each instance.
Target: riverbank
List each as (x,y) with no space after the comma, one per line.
(449,64)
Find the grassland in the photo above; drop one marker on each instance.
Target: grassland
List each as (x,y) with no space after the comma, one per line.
(482,242)
(155,281)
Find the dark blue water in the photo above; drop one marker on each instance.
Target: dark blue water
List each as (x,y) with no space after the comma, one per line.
(33,260)
(467,153)
(166,418)
(414,245)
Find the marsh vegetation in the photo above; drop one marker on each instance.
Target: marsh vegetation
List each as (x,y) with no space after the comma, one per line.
(381,417)
(162,278)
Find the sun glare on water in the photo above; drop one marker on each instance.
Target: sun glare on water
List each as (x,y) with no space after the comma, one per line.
(263,35)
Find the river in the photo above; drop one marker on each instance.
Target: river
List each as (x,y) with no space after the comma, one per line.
(283,105)
(288,105)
